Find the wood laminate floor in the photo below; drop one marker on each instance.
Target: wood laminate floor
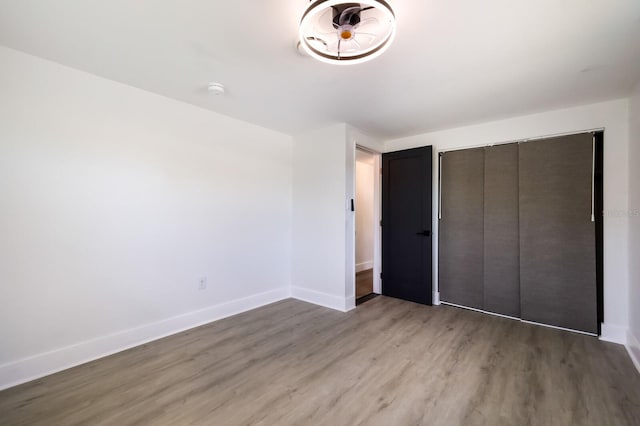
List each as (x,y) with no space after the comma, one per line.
(364,283)
(388,362)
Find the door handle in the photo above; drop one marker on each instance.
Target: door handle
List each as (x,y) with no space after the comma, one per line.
(424,233)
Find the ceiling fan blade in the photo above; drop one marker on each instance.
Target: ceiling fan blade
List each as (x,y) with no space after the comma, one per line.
(366,22)
(332,33)
(347,14)
(327,16)
(318,39)
(370,35)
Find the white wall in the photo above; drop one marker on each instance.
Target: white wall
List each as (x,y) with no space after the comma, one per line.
(634,225)
(323,224)
(114,202)
(612,116)
(364,212)
(320,216)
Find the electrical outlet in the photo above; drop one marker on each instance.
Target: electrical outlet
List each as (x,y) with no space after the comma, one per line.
(202,284)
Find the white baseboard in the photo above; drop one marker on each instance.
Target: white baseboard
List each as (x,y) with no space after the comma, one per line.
(44,364)
(633,347)
(350,303)
(322,299)
(613,333)
(364,266)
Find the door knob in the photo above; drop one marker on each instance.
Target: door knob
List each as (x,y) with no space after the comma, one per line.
(424,233)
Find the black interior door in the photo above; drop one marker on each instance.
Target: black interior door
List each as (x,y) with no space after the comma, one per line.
(406,224)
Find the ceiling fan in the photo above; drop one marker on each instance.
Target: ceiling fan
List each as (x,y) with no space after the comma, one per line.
(338,32)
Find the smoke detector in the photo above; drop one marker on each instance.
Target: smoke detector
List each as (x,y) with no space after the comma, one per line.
(216,89)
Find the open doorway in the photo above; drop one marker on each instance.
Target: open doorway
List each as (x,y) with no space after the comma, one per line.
(367,219)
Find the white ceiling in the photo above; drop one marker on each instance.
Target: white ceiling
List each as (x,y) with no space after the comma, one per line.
(453,62)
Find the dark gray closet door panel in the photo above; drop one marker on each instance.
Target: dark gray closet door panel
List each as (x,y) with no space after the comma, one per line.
(557,237)
(460,259)
(501,232)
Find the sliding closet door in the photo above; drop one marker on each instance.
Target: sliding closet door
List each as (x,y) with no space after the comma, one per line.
(557,236)
(501,233)
(461,228)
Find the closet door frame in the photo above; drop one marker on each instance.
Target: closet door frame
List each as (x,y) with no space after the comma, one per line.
(598,207)
(599,217)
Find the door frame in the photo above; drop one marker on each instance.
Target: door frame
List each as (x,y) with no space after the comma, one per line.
(377,216)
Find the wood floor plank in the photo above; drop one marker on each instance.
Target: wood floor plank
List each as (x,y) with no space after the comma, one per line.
(387,362)
(364,283)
